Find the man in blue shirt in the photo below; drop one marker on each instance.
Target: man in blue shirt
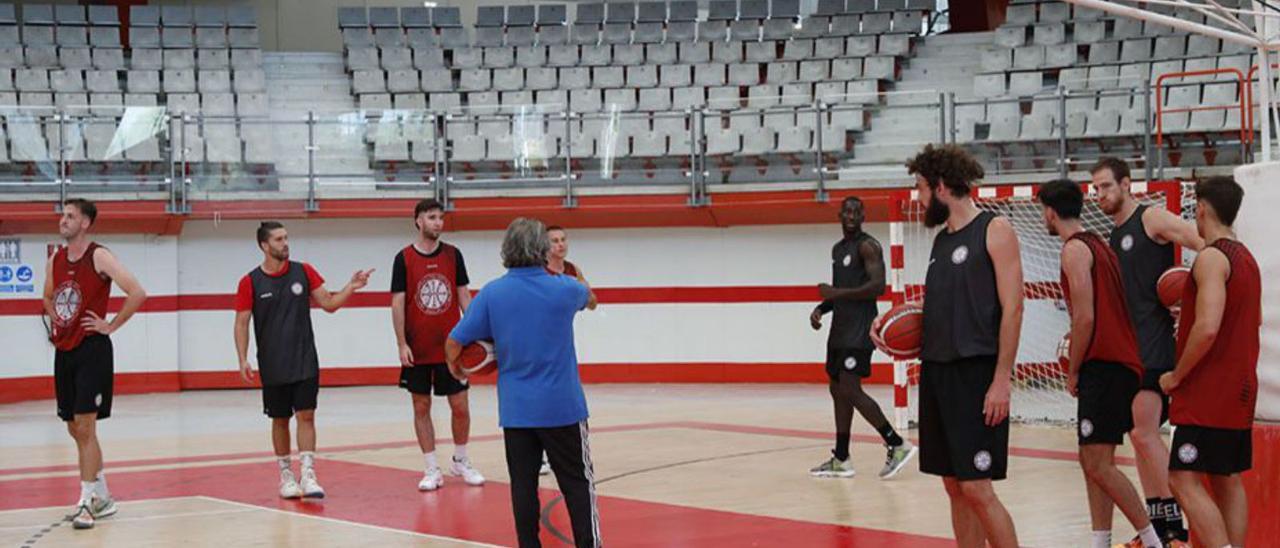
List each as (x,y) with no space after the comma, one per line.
(528,314)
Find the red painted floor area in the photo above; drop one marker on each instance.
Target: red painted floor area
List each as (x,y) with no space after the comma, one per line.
(388,497)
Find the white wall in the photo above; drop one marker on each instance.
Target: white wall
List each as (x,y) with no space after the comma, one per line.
(209,258)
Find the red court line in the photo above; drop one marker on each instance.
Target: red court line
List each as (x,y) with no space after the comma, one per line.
(1047,454)
(388,497)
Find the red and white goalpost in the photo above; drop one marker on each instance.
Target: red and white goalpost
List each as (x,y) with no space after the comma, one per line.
(1039,390)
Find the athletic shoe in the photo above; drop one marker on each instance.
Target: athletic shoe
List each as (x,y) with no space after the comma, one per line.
(310,487)
(896,459)
(545,469)
(83,518)
(102,507)
(833,468)
(289,488)
(1175,543)
(432,480)
(463,468)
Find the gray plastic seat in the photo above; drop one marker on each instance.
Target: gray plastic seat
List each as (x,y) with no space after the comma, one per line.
(727,52)
(108,59)
(31,79)
(989,85)
(1087,32)
(147,59)
(813,27)
(252,104)
(375,101)
(596,56)
(66,81)
(212,59)
(661,54)
(143,81)
(75,58)
(218,104)
(177,37)
(499,57)
(585,100)
(403,81)
(675,76)
(531,56)
(642,76)
(396,59)
(356,37)
(575,78)
(425,59)
(508,79)
(709,75)
(178,81)
(72,36)
(763,97)
(1026,83)
(1028,58)
(249,81)
(246,59)
(562,56)
(628,54)
(683,98)
(760,52)
(1133,50)
(883,68)
(724,98)
(607,77)
(781,73)
(814,71)
(623,100)
(179,59)
(541,78)
(692,53)
(468,58)
(42,56)
(798,50)
(215,37)
(654,99)
(744,74)
(474,80)
(1102,123)
(243,38)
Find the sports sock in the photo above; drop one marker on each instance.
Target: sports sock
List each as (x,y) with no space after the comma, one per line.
(1102,539)
(1150,539)
(86,491)
(890,436)
(431,460)
(100,486)
(841,451)
(285,463)
(308,459)
(460,452)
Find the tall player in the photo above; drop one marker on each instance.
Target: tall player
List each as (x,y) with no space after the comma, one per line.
(277,295)
(558,262)
(428,296)
(77,285)
(1104,369)
(1215,383)
(857,272)
(972,321)
(1144,240)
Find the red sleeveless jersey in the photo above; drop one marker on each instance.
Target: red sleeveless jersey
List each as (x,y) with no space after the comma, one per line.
(77,287)
(1113,339)
(1222,391)
(570,270)
(431,301)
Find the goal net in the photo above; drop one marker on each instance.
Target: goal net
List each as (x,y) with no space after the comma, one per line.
(1039,382)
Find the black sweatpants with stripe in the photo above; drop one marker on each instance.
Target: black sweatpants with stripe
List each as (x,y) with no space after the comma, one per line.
(569,454)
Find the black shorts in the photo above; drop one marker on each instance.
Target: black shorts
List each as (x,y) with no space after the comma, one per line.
(852,360)
(282,400)
(1218,451)
(82,378)
(420,379)
(954,438)
(1104,406)
(1151,382)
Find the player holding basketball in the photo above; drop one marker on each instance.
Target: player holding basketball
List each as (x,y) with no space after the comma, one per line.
(528,314)
(857,272)
(1104,370)
(277,296)
(972,321)
(428,295)
(1144,240)
(77,286)
(1214,386)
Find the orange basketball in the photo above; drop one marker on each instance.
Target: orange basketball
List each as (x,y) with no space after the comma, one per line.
(1170,285)
(901,330)
(478,358)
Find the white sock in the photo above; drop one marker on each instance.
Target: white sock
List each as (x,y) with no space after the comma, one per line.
(1150,538)
(308,459)
(431,460)
(1102,539)
(86,491)
(460,452)
(285,463)
(100,486)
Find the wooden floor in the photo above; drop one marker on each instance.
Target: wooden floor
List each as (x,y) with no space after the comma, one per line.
(687,465)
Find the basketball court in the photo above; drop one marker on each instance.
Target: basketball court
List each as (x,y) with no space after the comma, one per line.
(704,465)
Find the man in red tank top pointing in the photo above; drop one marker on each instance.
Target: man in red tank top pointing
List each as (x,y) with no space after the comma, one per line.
(1214,387)
(77,287)
(1104,370)
(428,296)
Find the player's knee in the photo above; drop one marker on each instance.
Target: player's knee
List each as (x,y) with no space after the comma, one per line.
(1182,482)
(307,417)
(81,428)
(421,407)
(977,493)
(952,487)
(459,408)
(1093,464)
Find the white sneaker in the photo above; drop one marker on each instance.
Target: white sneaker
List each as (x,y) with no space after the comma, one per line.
(289,488)
(832,468)
(463,468)
(545,469)
(102,507)
(431,480)
(310,487)
(83,518)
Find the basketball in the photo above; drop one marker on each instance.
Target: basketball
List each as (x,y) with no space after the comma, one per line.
(901,329)
(1170,285)
(478,358)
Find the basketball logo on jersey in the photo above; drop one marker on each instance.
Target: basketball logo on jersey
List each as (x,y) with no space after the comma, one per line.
(1126,243)
(960,254)
(434,294)
(982,460)
(849,363)
(1086,428)
(66,302)
(1188,453)
(296,288)
(848,259)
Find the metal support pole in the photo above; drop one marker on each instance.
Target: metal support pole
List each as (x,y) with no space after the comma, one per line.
(699,123)
(568,158)
(311,162)
(1265,85)
(62,160)
(821,194)
(1147,151)
(942,118)
(1062,132)
(570,201)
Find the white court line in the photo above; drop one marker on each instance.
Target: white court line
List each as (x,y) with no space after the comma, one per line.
(112,519)
(355,523)
(71,506)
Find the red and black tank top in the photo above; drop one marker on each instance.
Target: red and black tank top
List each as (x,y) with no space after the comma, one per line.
(1113,339)
(77,288)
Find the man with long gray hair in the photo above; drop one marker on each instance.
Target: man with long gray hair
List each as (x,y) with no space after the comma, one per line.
(528,314)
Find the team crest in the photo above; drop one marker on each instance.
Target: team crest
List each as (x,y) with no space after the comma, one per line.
(960,255)
(849,363)
(296,288)
(1126,243)
(1086,428)
(1188,453)
(848,259)
(435,293)
(66,303)
(982,460)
